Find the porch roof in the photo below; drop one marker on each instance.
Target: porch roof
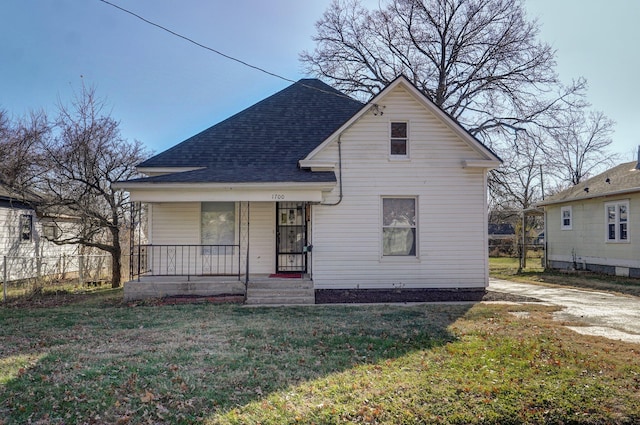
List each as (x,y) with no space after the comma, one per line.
(224,192)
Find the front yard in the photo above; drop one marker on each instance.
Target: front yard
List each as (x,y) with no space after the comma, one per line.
(101,361)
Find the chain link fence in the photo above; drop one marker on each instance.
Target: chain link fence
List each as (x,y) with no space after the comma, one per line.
(26,275)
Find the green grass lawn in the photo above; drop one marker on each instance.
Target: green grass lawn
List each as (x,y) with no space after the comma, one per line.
(101,361)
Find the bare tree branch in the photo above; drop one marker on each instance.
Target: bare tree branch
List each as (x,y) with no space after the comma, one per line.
(71,163)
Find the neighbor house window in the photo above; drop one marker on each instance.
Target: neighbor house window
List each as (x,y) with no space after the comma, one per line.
(566,215)
(399,141)
(50,231)
(617,220)
(399,226)
(218,226)
(26,227)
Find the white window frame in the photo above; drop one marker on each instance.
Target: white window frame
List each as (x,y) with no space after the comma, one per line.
(617,222)
(26,220)
(50,230)
(207,250)
(415,228)
(564,226)
(406,140)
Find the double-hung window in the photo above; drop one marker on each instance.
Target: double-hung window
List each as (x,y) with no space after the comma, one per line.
(617,221)
(26,227)
(566,217)
(399,140)
(218,227)
(399,226)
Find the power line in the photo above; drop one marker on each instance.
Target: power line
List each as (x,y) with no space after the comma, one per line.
(196,43)
(190,40)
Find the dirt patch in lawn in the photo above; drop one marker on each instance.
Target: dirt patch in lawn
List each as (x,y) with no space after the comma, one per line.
(503,296)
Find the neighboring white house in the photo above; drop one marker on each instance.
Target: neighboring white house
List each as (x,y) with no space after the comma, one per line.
(24,247)
(594,225)
(369,202)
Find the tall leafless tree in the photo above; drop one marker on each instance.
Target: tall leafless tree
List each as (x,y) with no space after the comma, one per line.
(480,60)
(84,156)
(19,149)
(579,146)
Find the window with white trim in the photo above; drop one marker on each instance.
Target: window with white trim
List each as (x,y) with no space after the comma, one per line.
(399,227)
(26,227)
(566,217)
(617,221)
(218,226)
(399,139)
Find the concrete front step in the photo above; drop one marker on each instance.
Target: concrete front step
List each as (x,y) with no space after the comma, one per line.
(281,284)
(279,300)
(278,292)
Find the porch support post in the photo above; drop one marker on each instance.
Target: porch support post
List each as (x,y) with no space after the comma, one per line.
(246,275)
(243,241)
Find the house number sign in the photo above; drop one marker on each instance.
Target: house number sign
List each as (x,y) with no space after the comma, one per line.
(277,196)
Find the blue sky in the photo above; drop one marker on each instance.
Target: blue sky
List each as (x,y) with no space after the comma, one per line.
(163,90)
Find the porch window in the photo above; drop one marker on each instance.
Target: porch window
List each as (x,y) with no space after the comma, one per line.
(399,140)
(617,220)
(566,214)
(218,225)
(26,227)
(399,226)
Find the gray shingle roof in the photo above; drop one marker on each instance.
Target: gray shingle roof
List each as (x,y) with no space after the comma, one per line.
(264,142)
(620,179)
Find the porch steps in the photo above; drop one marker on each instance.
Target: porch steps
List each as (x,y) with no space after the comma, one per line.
(280,292)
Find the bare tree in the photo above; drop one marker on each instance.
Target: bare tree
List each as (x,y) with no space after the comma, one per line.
(19,149)
(82,157)
(479,60)
(578,145)
(518,183)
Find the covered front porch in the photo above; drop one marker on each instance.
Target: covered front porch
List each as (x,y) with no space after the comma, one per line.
(253,252)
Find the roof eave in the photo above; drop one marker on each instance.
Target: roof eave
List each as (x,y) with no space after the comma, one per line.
(588,197)
(222,185)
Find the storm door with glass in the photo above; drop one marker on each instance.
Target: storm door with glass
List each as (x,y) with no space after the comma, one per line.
(291,237)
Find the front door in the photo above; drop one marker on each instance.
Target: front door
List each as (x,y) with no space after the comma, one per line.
(291,237)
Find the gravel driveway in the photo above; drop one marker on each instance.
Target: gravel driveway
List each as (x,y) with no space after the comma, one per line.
(602,313)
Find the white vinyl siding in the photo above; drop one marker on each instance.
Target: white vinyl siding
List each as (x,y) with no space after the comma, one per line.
(262,237)
(451,204)
(176,223)
(21,254)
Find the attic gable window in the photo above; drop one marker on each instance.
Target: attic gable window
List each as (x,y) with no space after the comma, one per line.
(617,221)
(399,140)
(566,217)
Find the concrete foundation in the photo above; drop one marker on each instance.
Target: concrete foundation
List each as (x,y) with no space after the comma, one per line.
(182,286)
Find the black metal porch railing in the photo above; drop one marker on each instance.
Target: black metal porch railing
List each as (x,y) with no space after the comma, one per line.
(185,260)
